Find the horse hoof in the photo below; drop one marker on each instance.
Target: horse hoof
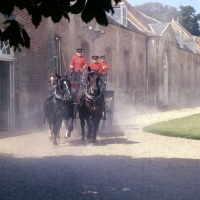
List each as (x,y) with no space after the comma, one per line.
(88,140)
(103,118)
(67,135)
(50,137)
(83,139)
(55,143)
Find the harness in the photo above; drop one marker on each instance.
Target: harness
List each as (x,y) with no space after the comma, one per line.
(89,98)
(54,92)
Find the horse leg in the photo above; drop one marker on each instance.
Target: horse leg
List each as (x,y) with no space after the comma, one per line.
(96,128)
(50,131)
(55,134)
(90,131)
(69,126)
(56,130)
(82,122)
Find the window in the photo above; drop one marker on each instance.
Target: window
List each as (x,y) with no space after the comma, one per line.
(85,47)
(124,16)
(108,55)
(57,55)
(189,78)
(195,77)
(5,48)
(182,79)
(140,77)
(120,13)
(126,71)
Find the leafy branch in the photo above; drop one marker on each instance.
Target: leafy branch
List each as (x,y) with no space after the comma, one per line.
(56,9)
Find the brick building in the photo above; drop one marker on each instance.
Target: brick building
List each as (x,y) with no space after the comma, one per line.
(153,64)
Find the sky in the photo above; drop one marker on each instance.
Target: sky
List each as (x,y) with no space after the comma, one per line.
(175,3)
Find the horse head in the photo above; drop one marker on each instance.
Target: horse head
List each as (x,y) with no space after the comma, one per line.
(93,82)
(64,87)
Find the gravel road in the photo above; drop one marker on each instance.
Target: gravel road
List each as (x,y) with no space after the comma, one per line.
(125,163)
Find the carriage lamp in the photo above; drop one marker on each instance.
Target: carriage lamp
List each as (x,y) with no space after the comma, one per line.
(83,29)
(96,33)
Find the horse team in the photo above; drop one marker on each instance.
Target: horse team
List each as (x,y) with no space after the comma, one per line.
(61,104)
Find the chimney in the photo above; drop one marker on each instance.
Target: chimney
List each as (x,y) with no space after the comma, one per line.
(181,38)
(194,44)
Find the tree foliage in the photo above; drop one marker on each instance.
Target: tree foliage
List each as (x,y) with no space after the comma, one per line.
(189,20)
(186,15)
(55,9)
(158,11)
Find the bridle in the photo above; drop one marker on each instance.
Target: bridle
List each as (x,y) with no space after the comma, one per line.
(92,97)
(61,96)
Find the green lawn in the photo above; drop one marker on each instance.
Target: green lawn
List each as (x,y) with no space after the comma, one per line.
(187,127)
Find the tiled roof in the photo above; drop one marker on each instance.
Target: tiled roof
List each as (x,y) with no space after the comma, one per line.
(138,20)
(177,27)
(130,25)
(142,24)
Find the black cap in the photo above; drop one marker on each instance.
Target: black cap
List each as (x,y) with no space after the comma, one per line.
(103,57)
(95,57)
(79,50)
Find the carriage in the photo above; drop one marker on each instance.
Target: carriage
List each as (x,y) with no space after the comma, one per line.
(89,97)
(109,97)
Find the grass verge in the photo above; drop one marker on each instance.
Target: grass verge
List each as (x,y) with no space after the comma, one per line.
(187,127)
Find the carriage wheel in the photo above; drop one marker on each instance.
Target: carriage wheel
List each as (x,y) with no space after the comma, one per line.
(110,111)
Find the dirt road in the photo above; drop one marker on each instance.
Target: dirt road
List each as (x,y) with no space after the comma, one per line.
(125,163)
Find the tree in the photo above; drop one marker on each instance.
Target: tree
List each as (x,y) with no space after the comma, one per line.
(189,20)
(56,9)
(158,11)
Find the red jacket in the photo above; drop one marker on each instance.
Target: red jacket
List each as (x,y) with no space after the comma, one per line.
(95,66)
(104,67)
(78,62)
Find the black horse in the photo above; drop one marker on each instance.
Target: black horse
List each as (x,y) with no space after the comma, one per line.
(58,106)
(90,105)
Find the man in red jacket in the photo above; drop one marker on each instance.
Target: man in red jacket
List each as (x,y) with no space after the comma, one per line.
(95,64)
(78,64)
(104,68)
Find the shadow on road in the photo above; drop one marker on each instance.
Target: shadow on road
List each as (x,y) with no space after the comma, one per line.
(100,142)
(98,177)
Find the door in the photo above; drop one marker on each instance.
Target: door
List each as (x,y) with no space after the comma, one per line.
(6,96)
